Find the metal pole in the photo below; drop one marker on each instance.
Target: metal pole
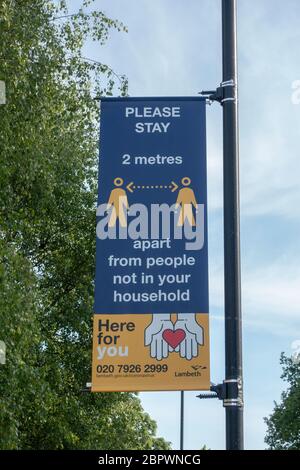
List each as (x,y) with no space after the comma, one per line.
(181,420)
(233,327)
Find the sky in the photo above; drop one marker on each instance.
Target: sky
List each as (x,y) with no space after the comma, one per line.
(173,48)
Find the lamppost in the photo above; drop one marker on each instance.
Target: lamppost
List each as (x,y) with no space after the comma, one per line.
(232,264)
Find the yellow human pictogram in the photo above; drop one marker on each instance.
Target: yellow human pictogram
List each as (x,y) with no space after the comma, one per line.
(119,203)
(186,200)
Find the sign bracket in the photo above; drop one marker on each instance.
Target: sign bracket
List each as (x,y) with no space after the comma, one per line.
(224,93)
(230,392)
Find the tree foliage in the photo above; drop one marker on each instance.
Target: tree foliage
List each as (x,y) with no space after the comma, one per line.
(284,424)
(48,156)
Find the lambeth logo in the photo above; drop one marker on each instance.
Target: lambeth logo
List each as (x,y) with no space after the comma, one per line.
(197,372)
(197,367)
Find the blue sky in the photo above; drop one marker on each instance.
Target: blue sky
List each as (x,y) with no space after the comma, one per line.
(173,47)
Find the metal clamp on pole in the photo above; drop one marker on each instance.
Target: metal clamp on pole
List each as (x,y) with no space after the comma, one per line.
(233,393)
(229,91)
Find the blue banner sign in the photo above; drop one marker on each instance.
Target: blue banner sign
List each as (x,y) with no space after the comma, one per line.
(151,253)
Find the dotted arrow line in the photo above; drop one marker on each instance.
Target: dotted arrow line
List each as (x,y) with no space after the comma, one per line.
(152,187)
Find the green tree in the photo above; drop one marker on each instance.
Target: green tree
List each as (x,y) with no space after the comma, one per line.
(48,177)
(284,424)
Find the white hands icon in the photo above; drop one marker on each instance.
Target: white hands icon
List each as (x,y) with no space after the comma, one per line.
(164,337)
(159,348)
(188,348)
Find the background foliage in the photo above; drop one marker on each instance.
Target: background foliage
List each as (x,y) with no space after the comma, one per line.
(48,162)
(284,423)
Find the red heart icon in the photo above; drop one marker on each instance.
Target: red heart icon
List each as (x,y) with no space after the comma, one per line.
(173,338)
